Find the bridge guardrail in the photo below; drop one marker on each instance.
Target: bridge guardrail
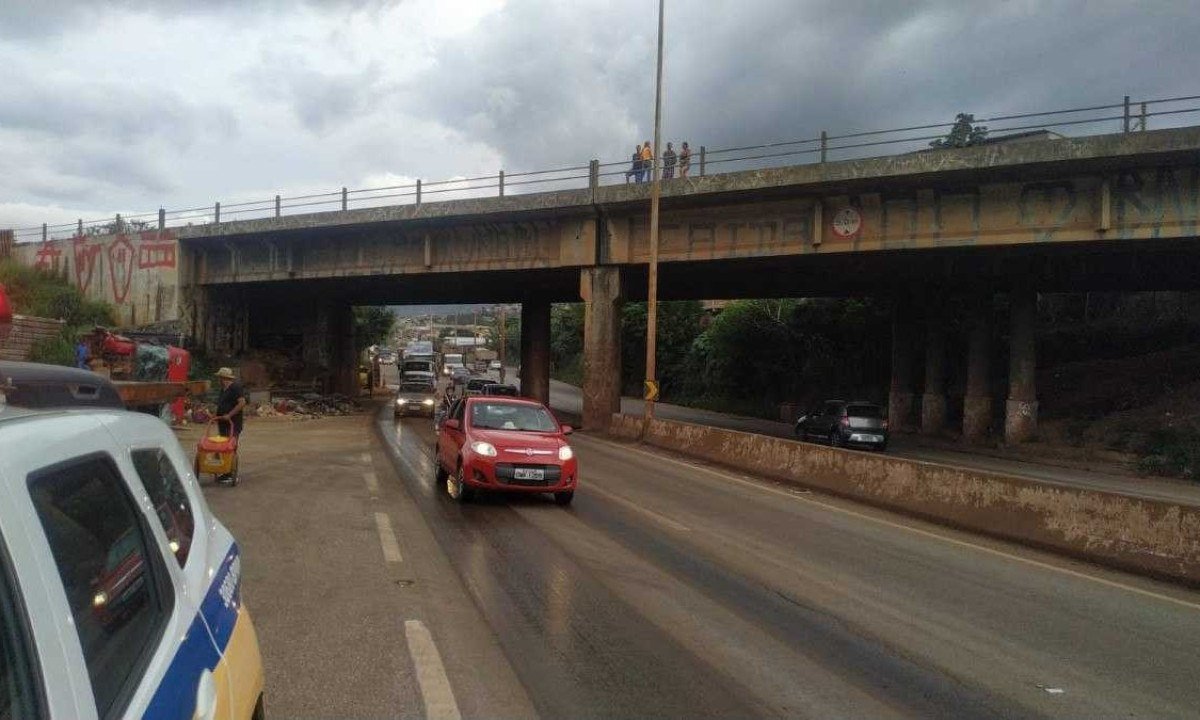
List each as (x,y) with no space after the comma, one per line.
(1132,116)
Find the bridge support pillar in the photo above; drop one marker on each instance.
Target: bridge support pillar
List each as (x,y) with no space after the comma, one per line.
(600,288)
(535,349)
(1021,410)
(933,401)
(900,397)
(343,362)
(977,400)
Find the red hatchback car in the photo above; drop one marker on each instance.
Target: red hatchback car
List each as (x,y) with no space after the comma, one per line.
(505,444)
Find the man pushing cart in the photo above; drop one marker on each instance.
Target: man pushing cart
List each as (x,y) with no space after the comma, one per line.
(217,454)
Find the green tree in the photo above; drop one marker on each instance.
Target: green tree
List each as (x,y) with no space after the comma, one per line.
(44,294)
(566,342)
(963,133)
(372,326)
(680,323)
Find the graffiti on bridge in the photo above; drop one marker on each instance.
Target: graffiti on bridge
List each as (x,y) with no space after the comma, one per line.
(125,255)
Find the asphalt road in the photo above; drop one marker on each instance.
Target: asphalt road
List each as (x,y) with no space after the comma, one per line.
(665,590)
(669,590)
(567,398)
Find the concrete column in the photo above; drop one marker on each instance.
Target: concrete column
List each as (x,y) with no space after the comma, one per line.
(1021,410)
(600,288)
(343,366)
(900,397)
(933,402)
(977,401)
(316,347)
(535,349)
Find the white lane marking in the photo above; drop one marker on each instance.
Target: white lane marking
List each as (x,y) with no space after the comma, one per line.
(372,482)
(662,519)
(366,458)
(910,529)
(387,538)
(431,674)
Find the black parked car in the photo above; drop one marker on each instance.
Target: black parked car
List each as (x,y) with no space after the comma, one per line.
(841,423)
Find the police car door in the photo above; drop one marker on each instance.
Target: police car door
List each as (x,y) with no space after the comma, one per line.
(125,615)
(196,681)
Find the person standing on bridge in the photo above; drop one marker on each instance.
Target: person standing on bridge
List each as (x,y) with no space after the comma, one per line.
(685,160)
(230,405)
(635,168)
(647,162)
(669,163)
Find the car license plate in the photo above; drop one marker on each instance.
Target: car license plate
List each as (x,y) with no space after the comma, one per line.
(213,459)
(529,474)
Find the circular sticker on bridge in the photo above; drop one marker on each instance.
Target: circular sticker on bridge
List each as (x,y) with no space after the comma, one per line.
(847,222)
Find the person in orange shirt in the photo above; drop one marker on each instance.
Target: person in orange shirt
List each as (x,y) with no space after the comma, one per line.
(647,162)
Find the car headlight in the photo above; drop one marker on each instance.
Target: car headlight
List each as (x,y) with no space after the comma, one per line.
(427,402)
(401,401)
(565,453)
(484,448)
(100,599)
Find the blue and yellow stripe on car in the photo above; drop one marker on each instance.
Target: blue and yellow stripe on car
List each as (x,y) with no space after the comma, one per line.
(221,639)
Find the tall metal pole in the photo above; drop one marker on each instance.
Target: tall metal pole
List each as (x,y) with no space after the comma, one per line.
(655,187)
(503,341)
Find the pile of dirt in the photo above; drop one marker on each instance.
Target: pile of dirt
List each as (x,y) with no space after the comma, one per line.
(1146,406)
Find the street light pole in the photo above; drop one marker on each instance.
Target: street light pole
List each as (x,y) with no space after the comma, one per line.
(655,187)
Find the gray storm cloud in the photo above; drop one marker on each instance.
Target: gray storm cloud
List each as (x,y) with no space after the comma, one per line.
(233,99)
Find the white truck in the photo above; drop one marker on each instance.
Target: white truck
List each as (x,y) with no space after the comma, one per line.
(450,361)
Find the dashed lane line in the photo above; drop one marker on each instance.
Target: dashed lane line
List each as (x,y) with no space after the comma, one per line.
(656,517)
(372,482)
(387,538)
(908,528)
(436,692)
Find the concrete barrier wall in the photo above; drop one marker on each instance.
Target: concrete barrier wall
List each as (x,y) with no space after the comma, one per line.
(136,272)
(1144,536)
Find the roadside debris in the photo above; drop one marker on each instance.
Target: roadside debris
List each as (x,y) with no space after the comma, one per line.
(303,406)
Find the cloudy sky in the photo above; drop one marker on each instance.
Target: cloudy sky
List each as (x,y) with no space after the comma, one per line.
(129,105)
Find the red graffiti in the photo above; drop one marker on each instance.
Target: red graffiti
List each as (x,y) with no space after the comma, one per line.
(47,256)
(156,249)
(156,255)
(120,267)
(85,261)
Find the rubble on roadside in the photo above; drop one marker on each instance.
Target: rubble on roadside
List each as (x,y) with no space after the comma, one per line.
(303,406)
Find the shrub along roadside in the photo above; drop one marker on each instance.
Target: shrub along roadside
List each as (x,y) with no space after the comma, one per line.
(43,294)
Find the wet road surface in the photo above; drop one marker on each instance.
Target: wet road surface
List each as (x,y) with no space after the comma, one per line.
(671,590)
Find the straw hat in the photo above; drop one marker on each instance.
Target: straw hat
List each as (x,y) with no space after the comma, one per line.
(226,373)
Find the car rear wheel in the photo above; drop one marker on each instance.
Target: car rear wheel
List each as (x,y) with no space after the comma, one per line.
(564,498)
(439,474)
(835,438)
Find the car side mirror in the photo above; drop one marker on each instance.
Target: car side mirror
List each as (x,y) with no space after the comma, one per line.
(452,424)
(567,429)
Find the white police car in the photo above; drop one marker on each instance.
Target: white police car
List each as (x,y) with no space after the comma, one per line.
(120,593)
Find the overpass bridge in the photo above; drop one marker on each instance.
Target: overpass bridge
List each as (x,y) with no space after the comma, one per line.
(929,230)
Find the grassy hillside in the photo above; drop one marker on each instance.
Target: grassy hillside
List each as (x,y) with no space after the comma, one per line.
(41,294)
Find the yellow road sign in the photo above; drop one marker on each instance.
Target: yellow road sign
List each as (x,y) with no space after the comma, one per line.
(651,390)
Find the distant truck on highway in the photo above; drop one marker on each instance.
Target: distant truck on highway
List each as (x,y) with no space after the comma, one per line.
(451,362)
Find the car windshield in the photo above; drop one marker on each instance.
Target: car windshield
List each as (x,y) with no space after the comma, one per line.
(500,390)
(416,387)
(477,384)
(511,416)
(864,411)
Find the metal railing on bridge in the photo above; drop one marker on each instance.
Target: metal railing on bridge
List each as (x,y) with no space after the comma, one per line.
(1127,117)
